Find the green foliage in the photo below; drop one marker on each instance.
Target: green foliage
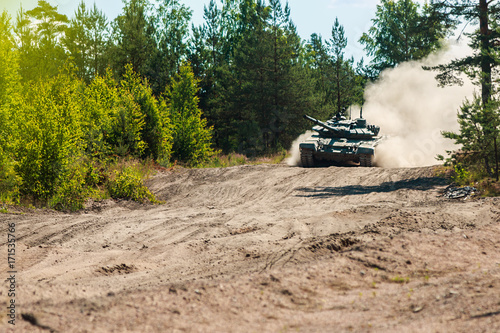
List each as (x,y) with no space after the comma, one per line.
(224,161)
(9,78)
(343,72)
(72,190)
(462,175)
(271,85)
(484,41)
(9,94)
(156,133)
(170,24)
(86,39)
(400,279)
(132,39)
(479,119)
(99,106)
(87,178)
(126,126)
(128,184)
(489,187)
(335,75)
(210,53)
(191,137)
(64,122)
(402,32)
(113,120)
(9,180)
(479,136)
(40,31)
(125,119)
(46,134)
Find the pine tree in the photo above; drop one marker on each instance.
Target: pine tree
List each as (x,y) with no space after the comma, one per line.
(170,28)
(191,136)
(86,40)
(400,32)
(343,73)
(40,32)
(273,87)
(480,119)
(319,62)
(336,78)
(133,39)
(223,32)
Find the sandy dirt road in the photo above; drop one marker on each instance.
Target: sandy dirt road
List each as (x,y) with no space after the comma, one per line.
(263,248)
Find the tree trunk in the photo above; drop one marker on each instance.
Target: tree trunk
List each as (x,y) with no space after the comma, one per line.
(496,157)
(339,108)
(485,46)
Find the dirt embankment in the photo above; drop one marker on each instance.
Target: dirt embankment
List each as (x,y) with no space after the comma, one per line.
(265,248)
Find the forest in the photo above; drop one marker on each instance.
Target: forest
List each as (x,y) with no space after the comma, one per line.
(87,103)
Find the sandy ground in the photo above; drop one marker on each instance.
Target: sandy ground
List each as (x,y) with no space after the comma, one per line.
(267,248)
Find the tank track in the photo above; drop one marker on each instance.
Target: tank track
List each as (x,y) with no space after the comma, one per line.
(306,158)
(366,160)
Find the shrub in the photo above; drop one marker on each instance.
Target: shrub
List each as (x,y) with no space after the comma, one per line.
(128,184)
(156,132)
(9,181)
(72,191)
(112,120)
(461,175)
(46,135)
(192,138)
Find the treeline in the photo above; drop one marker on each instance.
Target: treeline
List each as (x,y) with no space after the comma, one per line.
(256,76)
(79,94)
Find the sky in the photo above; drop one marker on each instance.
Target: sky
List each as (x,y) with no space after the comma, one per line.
(309,16)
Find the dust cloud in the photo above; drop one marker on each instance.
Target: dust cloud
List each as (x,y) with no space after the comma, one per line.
(294,158)
(412,110)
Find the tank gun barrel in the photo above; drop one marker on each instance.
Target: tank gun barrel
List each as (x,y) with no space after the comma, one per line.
(322,124)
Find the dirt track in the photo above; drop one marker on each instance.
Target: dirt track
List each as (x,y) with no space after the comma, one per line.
(264,248)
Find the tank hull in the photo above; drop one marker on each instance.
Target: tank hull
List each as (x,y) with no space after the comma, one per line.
(319,150)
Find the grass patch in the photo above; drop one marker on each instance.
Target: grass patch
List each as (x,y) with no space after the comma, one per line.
(489,187)
(469,176)
(234,159)
(224,161)
(400,279)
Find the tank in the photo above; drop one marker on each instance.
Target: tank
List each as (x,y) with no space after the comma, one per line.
(340,140)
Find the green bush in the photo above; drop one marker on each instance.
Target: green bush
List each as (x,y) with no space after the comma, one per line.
(72,191)
(9,181)
(192,138)
(122,179)
(46,135)
(112,120)
(461,175)
(128,184)
(156,132)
